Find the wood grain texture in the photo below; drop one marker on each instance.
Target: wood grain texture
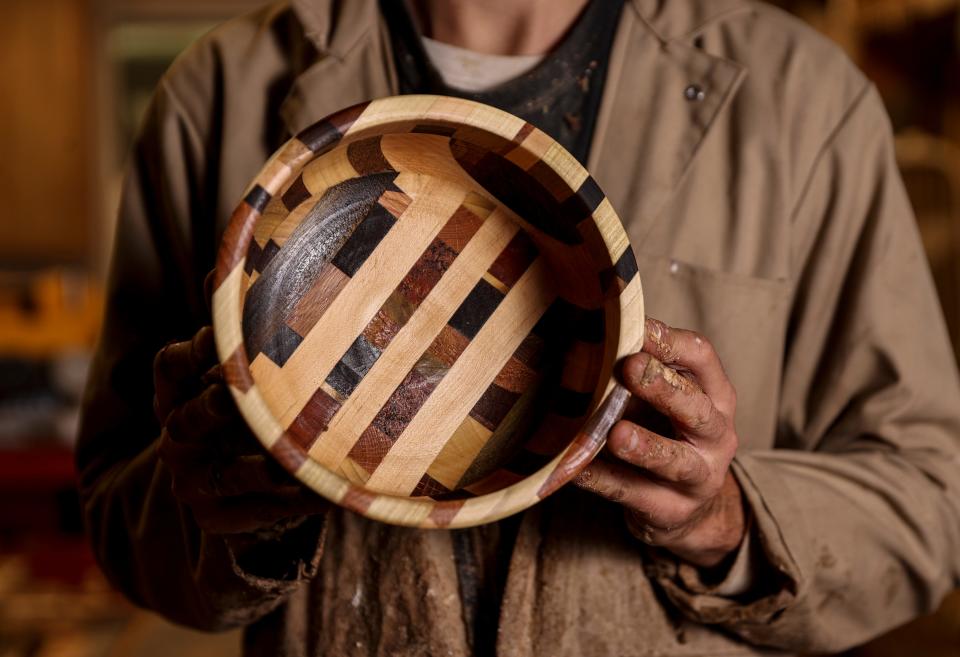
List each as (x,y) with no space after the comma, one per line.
(419,304)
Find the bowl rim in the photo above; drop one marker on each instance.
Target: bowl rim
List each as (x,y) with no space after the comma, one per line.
(623,299)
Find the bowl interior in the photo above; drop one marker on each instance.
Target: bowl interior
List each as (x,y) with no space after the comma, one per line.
(423,314)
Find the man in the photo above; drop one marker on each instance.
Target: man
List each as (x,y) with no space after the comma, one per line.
(753,169)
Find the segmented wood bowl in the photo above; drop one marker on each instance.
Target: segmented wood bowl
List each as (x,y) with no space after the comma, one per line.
(418,306)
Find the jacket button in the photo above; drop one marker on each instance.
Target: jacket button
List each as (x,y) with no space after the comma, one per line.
(694,93)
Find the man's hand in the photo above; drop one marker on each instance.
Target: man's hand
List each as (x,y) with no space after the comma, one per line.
(219,469)
(678,491)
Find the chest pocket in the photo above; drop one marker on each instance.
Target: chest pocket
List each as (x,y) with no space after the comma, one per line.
(744,317)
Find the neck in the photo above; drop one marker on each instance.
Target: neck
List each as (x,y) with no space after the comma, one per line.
(498,27)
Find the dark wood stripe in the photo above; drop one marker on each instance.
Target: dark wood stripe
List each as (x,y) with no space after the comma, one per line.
(589,441)
(429,487)
(483,140)
(257,198)
(370,448)
(448,345)
(530,352)
(320,137)
(366,156)
(288,453)
(236,372)
(364,240)
(514,260)
(591,325)
(312,305)
(589,197)
(234,243)
(495,481)
(427,271)
(493,406)
(296,194)
(626,266)
(460,229)
(476,309)
(388,321)
(518,189)
(274,296)
(443,513)
(281,344)
(548,178)
(395,312)
(350,370)
(523,132)
(313,419)
(516,375)
(257,258)
(410,395)
(357,499)
(395,202)
(344,119)
(511,432)
(553,433)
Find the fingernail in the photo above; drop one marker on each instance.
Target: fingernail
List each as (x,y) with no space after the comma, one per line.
(651,372)
(635,370)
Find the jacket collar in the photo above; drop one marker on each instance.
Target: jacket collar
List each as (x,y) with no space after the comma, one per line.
(646,126)
(334,26)
(671,20)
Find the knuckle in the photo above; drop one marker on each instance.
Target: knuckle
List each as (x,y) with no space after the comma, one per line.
(689,471)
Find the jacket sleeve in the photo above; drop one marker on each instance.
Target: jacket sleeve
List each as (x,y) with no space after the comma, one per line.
(857,511)
(145,540)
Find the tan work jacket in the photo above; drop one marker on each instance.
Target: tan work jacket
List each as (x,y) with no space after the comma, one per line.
(768,215)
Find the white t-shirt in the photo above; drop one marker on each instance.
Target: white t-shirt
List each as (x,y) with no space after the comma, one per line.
(473,71)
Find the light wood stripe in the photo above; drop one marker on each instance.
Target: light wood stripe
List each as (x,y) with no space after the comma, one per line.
(289,388)
(258,415)
(455,461)
(278,168)
(459,452)
(531,150)
(274,215)
(465,382)
(565,165)
(405,349)
(328,170)
(227,309)
(611,230)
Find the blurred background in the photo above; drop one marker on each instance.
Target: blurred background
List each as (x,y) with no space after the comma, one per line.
(75,76)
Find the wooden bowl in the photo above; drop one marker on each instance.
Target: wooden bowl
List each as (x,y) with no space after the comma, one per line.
(418,307)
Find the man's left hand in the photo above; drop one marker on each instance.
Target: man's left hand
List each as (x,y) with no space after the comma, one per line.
(678,491)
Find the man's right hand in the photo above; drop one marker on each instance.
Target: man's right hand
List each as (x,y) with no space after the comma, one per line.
(219,469)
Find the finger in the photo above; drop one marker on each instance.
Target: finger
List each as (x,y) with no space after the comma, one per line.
(255,512)
(200,419)
(179,456)
(674,395)
(690,351)
(252,474)
(178,368)
(659,505)
(670,460)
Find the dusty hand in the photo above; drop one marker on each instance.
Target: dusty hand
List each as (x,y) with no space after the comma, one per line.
(218,468)
(678,492)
